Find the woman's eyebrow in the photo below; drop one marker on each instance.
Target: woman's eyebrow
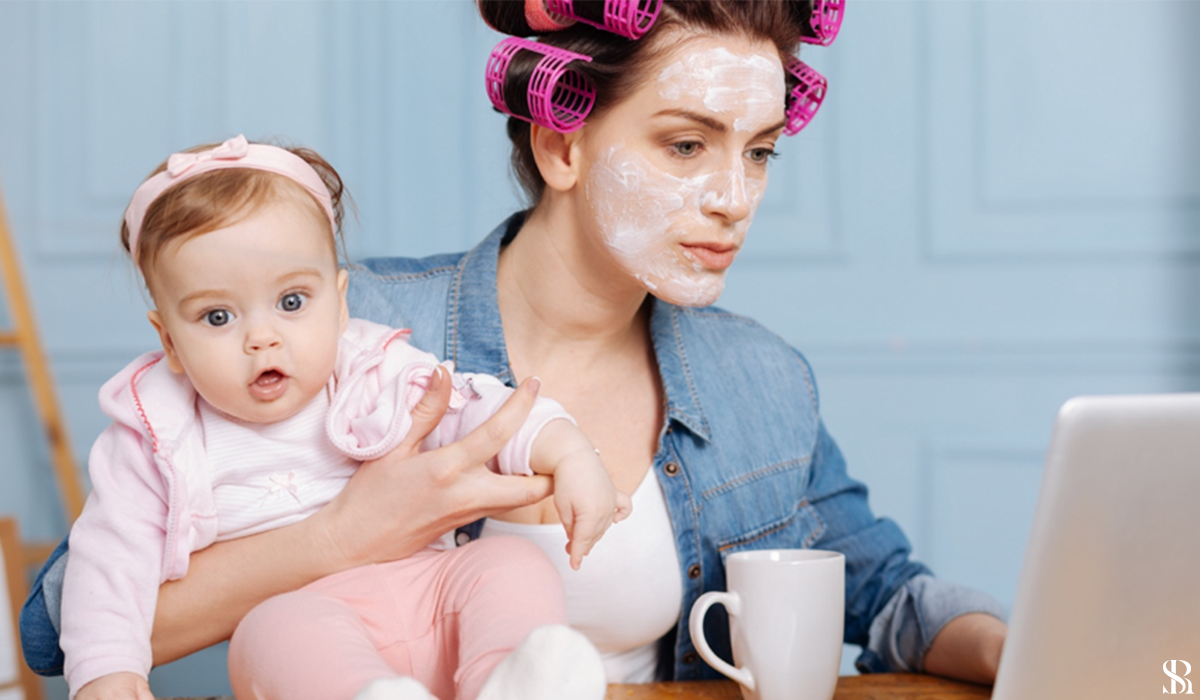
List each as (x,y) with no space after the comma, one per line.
(693,116)
(713,124)
(774,127)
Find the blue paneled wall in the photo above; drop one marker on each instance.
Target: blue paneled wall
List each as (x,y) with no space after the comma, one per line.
(997,208)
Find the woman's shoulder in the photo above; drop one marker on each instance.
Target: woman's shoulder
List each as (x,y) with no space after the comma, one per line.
(405,293)
(399,270)
(729,333)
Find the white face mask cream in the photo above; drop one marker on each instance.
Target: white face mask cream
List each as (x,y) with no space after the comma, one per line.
(657,224)
(750,86)
(643,214)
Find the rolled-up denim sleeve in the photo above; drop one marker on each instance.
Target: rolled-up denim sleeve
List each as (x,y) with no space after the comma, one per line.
(894,605)
(39,621)
(901,633)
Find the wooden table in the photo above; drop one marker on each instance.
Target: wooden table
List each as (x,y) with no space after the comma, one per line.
(882,686)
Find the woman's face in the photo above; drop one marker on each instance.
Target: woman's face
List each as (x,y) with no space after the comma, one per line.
(674,173)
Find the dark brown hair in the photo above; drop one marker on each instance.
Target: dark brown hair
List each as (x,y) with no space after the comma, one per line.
(221,198)
(618,64)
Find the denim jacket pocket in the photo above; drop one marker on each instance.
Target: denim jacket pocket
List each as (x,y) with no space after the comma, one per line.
(798,530)
(772,515)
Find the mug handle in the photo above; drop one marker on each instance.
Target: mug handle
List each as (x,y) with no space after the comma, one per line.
(733,604)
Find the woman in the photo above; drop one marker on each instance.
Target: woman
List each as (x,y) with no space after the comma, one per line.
(600,290)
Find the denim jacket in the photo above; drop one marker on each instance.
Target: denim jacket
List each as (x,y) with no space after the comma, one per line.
(743,457)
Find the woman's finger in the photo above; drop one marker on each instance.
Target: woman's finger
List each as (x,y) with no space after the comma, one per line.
(386,513)
(486,440)
(503,493)
(428,412)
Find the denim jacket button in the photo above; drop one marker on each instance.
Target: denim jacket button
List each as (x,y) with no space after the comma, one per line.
(690,658)
(694,571)
(671,469)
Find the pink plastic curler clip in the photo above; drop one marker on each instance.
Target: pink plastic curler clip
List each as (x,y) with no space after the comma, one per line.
(826,21)
(806,98)
(541,20)
(558,97)
(629,18)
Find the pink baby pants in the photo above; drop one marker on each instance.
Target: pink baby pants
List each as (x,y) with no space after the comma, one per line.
(445,618)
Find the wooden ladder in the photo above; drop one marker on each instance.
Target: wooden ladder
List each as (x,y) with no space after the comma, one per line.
(23,336)
(17,586)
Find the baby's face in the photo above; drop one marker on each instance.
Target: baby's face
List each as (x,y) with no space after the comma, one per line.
(252,313)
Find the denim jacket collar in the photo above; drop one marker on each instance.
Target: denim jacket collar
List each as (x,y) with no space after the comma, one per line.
(475,334)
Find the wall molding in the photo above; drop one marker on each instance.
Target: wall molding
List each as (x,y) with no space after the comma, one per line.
(963,221)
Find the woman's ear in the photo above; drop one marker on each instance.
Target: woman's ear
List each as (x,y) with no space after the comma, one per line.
(557,156)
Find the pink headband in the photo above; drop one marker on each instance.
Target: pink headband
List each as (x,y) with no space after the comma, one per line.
(234,153)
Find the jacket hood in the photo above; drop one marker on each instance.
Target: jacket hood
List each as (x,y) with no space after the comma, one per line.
(147,387)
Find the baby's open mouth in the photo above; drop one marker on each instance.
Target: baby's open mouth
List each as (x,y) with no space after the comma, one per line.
(269,385)
(271,376)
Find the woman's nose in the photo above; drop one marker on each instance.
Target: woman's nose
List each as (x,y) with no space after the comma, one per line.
(726,196)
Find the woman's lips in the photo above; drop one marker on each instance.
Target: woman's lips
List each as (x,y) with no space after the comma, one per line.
(714,257)
(269,385)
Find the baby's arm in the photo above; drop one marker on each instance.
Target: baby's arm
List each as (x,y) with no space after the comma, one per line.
(584,494)
(549,443)
(371,413)
(111,583)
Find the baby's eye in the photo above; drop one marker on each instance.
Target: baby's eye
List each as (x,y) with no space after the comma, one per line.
(687,149)
(291,302)
(218,317)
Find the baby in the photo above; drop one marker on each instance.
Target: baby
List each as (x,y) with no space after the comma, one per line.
(264,399)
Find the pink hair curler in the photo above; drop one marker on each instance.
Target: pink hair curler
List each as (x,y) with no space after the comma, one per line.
(541,20)
(806,98)
(558,97)
(629,18)
(826,21)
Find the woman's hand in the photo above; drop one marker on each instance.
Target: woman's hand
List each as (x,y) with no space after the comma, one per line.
(401,502)
(391,508)
(968,648)
(116,686)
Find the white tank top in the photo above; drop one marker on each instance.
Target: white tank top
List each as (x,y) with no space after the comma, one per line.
(628,592)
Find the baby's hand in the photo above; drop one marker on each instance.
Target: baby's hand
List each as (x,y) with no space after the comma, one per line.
(586,501)
(584,495)
(116,686)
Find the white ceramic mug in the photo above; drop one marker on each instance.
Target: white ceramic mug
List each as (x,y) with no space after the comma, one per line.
(785,621)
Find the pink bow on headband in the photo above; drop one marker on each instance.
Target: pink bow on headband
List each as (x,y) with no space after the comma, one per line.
(234,153)
(233,149)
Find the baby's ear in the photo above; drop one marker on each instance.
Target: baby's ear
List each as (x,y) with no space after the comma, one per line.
(168,345)
(343,283)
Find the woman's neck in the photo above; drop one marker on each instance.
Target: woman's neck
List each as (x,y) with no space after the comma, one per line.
(563,303)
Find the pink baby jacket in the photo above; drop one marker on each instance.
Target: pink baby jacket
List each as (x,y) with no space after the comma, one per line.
(152,504)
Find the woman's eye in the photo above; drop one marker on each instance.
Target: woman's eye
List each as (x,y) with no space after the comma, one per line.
(218,317)
(687,149)
(291,302)
(761,155)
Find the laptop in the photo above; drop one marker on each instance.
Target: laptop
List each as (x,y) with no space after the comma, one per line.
(1108,604)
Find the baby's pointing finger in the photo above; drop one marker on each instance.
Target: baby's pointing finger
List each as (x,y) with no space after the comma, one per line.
(624,507)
